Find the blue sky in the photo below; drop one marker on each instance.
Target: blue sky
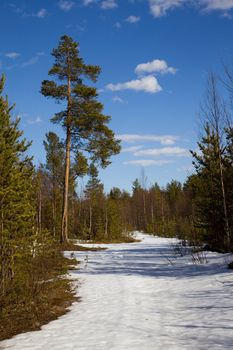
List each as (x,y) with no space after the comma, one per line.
(155,56)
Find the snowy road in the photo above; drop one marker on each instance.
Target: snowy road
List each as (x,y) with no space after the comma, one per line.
(142,296)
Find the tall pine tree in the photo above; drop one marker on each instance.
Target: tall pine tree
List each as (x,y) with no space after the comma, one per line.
(84,123)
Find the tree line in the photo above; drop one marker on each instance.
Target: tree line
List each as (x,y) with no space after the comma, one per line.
(200,210)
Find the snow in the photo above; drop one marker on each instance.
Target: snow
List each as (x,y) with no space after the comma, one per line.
(142,296)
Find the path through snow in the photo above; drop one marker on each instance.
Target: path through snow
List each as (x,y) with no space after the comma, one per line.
(141,296)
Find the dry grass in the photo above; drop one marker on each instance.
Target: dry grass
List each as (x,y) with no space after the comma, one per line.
(38,294)
(71,247)
(122,239)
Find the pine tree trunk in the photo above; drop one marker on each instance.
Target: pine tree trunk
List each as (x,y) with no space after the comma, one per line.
(40,211)
(54,208)
(106,224)
(64,231)
(163,217)
(152,218)
(144,210)
(90,219)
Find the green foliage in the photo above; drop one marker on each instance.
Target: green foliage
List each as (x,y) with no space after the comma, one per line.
(136,186)
(37,294)
(53,187)
(89,131)
(209,218)
(88,138)
(16,211)
(55,157)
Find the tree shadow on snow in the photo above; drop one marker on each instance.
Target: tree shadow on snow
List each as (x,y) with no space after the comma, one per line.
(156,262)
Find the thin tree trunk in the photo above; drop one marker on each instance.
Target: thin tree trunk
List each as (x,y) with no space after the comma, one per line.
(106,224)
(64,231)
(228,238)
(54,220)
(90,221)
(40,210)
(163,218)
(2,281)
(152,218)
(144,209)
(54,208)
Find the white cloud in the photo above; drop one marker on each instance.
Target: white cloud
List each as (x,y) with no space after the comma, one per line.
(117,99)
(88,2)
(33,60)
(164,140)
(160,8)
(41,13)
(66,5)
(147,84)
(40,53)
(165,151)
(37,120)
(155,66)
(117,25)
(12,55)
(30,62)
(108,4)
(147,162)
(186,169)
(133,19)
(218,4)
(131,149)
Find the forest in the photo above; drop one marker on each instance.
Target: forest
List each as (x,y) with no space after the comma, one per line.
(43,208)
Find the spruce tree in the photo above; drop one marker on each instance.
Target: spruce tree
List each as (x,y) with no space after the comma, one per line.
(208,194)
(84,123)
(95,195)
(115,227)
(214,114)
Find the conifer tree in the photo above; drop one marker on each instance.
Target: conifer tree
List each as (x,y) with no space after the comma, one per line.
(16,211)
(115,227)
(94,195)
(87,133)
(138,194)
(213,151)
(55,160)
(207,187)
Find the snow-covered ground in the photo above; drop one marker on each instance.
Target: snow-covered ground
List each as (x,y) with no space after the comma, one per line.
(142,296)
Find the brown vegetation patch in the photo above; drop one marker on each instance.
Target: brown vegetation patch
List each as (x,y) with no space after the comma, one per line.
(38,294)
(71,247)
(121,239)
